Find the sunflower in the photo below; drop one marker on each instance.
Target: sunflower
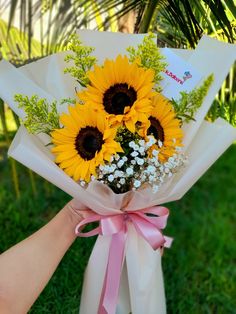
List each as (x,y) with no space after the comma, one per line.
(85,142)
(122,90)
(165,128)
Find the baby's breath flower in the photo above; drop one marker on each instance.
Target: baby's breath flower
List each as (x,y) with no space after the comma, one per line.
(134,154)
(155,152)
(113,167)
(129,171)
(151,141)
(138,167)
(110,178)
(139,161)
(120,163)
(118,174)
(106,168)
(160,144)
(137,183)
(151,178)
(141,143)
(141,150)
(143,177)
(151,169)
(131,144)
(122,181)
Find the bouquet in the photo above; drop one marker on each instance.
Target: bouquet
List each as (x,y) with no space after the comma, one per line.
(119,125)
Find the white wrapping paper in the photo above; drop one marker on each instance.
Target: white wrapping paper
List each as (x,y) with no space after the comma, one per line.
(142,289)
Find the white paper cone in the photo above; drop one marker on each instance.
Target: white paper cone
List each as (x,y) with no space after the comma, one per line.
(204,143)
(209,144)
(141,271)
(144,276)
(124,305)
(210,56)
(12,82)
(94,276)
(48,74)
(30,151)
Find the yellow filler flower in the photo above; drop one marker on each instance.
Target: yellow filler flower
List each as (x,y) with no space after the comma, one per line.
(122,90)
(85,142)
(165,128)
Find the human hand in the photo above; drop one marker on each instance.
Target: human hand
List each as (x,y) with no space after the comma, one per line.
(77,211)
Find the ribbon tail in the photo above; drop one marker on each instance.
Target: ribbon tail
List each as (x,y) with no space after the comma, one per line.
(110,290)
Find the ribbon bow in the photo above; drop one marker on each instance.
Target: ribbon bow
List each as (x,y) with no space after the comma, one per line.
(148,223)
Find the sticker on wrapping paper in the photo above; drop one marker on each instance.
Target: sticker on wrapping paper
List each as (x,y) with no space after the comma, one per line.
(179,75)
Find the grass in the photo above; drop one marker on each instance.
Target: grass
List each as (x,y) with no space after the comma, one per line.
(199,269)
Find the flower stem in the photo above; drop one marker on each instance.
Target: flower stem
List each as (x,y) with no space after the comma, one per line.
(12,161)
(32,181)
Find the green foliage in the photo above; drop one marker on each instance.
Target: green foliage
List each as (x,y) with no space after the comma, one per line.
(82,59)
(68,101)
(185,19)
(224,105)
(225,110)
(14,45)
(124,136)
(180,24)
(189,103)
(148,55)
(41,117)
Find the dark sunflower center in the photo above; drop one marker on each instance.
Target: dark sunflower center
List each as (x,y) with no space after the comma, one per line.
(156,129)
(88,142)
(117,97)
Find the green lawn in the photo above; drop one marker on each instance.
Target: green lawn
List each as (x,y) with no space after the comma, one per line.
(199,269)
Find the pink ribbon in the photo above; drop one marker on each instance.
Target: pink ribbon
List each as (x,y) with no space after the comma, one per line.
(148,223)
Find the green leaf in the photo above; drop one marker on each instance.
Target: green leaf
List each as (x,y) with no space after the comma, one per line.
(81,59)
(41,117)
(189,103)
(148,55)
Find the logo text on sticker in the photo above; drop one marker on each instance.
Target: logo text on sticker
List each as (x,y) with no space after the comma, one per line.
(187,75)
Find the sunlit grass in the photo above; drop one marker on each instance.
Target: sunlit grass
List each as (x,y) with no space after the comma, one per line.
(11,125)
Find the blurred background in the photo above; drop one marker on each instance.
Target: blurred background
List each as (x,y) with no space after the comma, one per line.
(200,268)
